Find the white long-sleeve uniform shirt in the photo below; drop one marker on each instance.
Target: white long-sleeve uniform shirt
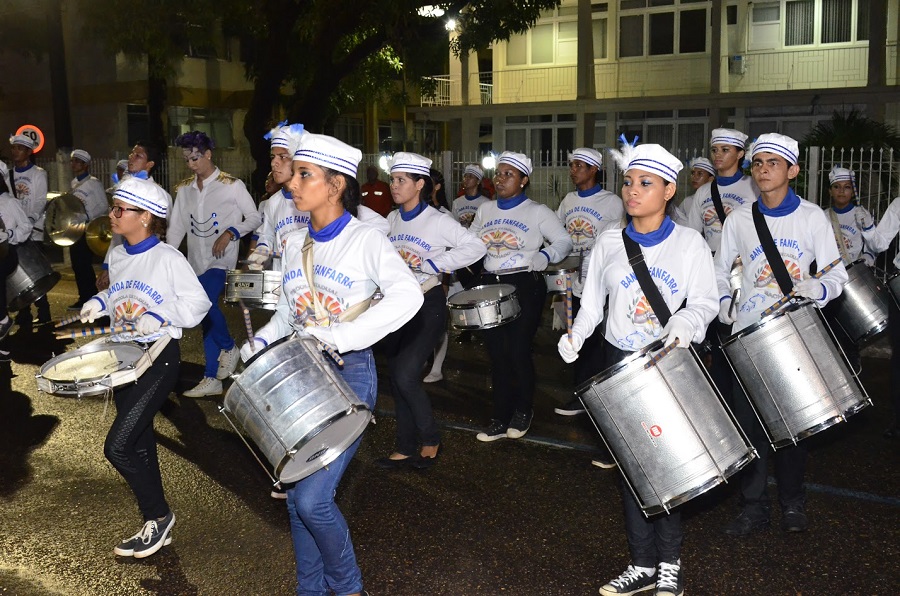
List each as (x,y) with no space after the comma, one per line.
(92,195)
(152,277)
(347,269)
(702,215)
(280,219)
(515,235)
(464,208)
(31,190)
(801,234)
(850,234)
(879,237)
(680,265)
(679,212)
(432,242)
(204,215)
(373,218)
(586,214)
(14,219)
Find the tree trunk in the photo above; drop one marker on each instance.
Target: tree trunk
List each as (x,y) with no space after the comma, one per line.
(157,101)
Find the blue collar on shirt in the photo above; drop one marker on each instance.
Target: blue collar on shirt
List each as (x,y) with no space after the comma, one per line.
(142,246)
(512,201)
(728,180)
(330,231)
(286,194)
(25,169)
(412,213)
(850,207)
(787,206)
(591,191)
(654,237)
(83,176)
(468,198)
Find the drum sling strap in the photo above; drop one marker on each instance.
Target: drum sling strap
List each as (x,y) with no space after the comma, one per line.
(776,262)
(838,236)
(717,201)
(651,292)
(322,313)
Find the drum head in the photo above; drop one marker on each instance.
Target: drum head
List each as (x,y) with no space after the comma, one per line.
(66,220)
(639,356)
(92,362)
(323,445)
(479,295)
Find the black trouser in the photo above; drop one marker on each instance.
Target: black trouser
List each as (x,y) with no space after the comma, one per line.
(894,337)
(131,443)
(590,357)
(510,346)
(7,267)
(717,363)
(83,267)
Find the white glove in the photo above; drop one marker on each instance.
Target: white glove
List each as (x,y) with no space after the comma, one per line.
(147,324)
(251,348)
(810,288)
(678,328)
(569,349)
(324,335)
(91,310)
(864,221)
(724,307)
(5,235)
(539,262)
(258,258)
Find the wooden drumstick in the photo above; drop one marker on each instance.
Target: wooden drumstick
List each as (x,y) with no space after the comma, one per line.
(248,325)
(785,299)
(331,352)
(661,354)
(92,331)
(68,321)
(569,316)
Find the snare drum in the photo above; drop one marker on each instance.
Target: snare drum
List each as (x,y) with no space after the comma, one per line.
(555,274)
(33,278)
(862,308)
(97,367)
(666,427)
(797,378)
(256,289)
(484,307)
(300,413)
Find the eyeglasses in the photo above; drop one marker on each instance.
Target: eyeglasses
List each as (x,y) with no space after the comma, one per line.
(117,210)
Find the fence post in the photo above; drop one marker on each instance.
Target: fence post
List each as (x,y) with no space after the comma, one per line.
(812,175)
(447,170)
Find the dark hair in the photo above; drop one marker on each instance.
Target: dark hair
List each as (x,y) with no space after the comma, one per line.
(437,178)
(427,189)
(195,138)
(158,226)
(670,204)
(598,176)
(153,154)
(351,198)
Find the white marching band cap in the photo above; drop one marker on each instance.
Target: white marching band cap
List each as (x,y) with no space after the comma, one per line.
(778,144)
(474,170)
(839,174)
(329,152)
(287,136)
(650,158)
(589,156)
(122,163)
(81,155)
(701,163)
(517,160)
(727,136)
(410,162)
(23,140)
(144,194)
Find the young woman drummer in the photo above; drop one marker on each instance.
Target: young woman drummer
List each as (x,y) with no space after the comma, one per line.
(350,260)
(681,263)
(151,283)
(514,229)
(432,243)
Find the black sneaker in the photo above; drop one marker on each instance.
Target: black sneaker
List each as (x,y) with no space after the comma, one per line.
(519,425)
(153,536)
(5,326)
(126,547)
(573,407)
(76,305)
(793,519)
(750,520)
(668,579)
(495,430)
(631,581)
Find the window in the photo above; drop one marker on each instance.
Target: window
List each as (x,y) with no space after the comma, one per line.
(631,36)
(799,22)
(836,20)
(554,40)
(551,136)
(600,37)
(808,23)
(692,32)
(662,33)
(661,28)
(215,123)
(731,15)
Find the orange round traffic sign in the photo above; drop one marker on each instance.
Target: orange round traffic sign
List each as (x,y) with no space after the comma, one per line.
(35,133)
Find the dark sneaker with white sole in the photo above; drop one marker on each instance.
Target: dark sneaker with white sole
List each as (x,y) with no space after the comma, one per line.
(668,579)
(152,536)
(495,430)
(632,581)
(519,425)
(126,547)
(573,407)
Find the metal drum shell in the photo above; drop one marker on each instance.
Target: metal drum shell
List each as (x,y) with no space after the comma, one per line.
(893,284)
(666,426)
(256,289)
(66,220)
(862,307)
(815,391)
(33,278)
(300,413)
(129,354)
(555,273)
(476,308)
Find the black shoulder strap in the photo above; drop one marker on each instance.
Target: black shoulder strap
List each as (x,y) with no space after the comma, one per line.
(12,183)
(717,201)
(651,292)
(776,262)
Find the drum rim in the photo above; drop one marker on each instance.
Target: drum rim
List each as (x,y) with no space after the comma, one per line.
(491,326)
(785,310)
(488,302)
(611,371)
(556,268)
(91,348)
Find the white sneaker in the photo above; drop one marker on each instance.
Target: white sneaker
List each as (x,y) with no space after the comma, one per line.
(432,377)
(208,386)
(228,361)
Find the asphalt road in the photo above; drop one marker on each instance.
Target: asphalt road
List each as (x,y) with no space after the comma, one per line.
(527,517)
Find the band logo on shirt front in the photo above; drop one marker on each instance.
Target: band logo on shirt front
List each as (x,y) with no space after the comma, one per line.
(581,231)
(128,311)
(304,308)
(412,260)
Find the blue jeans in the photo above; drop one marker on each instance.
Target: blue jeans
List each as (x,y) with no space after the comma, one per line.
(215,330)
(322,547)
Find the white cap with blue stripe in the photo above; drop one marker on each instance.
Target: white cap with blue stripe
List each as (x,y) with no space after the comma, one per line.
(650,158)
(728,136)
(517,160)
(778,144)
(145,194)
(329,152)
(589,156)
(413,163)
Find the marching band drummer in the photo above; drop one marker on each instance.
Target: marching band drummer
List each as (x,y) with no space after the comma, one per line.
(802,234)
(151,283)
(431,243)
(878,239)
(350,260)
(17,229)
(702,171)
(465,206)
(682,267)
(514,228)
